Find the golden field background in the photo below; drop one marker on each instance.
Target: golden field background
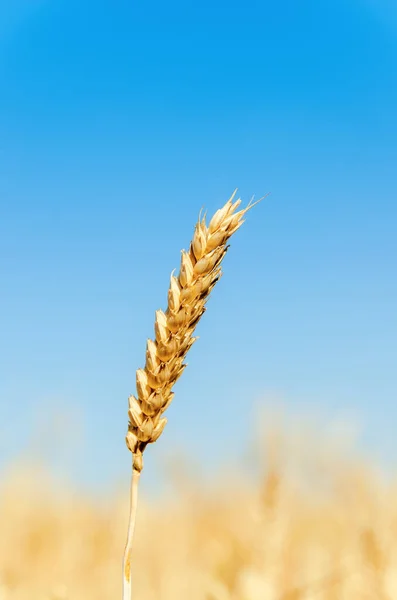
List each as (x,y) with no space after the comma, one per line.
(302,517)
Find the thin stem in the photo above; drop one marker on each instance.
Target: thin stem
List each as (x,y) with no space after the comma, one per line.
(127,588)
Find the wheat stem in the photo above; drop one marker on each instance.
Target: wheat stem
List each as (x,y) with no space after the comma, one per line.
(127,588)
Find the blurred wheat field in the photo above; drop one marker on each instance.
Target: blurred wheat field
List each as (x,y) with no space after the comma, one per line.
(313,523)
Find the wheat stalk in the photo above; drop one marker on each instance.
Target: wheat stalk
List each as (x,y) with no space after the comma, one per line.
(188,292)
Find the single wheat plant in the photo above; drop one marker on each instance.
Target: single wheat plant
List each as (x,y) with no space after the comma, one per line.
(187,295)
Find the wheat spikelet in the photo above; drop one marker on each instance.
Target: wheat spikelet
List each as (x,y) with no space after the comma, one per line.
(188,292)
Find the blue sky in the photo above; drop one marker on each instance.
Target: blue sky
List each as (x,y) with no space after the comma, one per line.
(118,122)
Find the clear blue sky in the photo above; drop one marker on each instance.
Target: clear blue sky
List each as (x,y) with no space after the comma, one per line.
(118,121)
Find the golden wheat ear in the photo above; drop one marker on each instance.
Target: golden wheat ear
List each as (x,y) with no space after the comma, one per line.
(188,293)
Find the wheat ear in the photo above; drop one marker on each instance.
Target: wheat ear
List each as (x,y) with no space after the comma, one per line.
(188,292)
